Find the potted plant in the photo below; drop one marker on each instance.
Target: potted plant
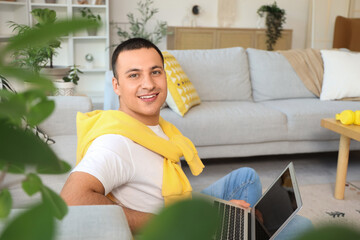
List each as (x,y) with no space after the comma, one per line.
(275,18)
(88,14)
(138,26)
(22,152)
(39,58)
(66,86)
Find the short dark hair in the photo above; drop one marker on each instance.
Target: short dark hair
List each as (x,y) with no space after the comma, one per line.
(132,44)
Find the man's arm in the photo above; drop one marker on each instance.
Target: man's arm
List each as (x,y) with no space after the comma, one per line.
(84,189)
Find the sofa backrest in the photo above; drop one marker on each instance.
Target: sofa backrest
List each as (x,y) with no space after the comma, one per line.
(63,120)
(272,77)
(217,74)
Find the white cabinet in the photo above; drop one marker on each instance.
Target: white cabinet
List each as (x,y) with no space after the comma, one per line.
(74,47)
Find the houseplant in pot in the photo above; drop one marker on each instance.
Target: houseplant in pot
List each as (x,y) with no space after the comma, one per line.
(39,58)
(138,27)
(88,14)
(275,18)
(66,86)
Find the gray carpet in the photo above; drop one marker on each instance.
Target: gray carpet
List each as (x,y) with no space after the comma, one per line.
(315,173)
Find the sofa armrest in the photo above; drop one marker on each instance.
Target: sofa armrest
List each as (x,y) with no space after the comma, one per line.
(103,222)
(96,222)
(63,120)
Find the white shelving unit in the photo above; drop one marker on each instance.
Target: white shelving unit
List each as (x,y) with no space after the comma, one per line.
(12,12)
(74,47)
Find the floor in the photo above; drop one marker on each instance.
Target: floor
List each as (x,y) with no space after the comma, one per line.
(314,168)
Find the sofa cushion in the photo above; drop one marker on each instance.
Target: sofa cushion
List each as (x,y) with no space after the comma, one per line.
(272,77)
(217,74)
(181,92)
(304,116)
(341,75)
(222,123)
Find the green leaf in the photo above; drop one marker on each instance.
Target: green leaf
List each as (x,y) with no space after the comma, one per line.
(5,203)
(190,219)
(32,184)
(31,105)
(34,224)
(48,32)
(19,146)
(18,168)
(5,93)
(54,169)
(40,111)
(13,109)
(54,202)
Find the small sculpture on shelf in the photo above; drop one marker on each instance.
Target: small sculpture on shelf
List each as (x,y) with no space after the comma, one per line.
(89,61)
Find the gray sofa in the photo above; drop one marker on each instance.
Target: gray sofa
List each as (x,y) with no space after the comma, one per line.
(253,103)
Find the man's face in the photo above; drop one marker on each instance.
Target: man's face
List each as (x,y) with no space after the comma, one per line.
(141,84)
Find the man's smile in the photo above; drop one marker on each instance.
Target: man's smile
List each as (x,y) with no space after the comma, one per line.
(149,97)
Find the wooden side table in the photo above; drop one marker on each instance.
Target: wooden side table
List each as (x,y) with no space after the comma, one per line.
(346,132)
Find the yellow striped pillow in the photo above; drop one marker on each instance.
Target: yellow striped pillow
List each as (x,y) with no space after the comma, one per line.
(181,92)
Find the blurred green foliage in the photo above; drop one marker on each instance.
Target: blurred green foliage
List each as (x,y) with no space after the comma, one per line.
(21,151)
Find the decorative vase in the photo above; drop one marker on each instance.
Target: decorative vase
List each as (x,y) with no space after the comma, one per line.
(57,72)
(64,88)
(92,31)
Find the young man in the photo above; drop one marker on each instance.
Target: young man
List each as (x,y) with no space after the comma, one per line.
(130,156)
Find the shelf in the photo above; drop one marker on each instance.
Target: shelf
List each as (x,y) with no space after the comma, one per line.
(88,6)
(85,70)
(89,37)
(75,46)
(13,3)
(48,5)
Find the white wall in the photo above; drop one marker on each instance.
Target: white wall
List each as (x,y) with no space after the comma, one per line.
(174,12)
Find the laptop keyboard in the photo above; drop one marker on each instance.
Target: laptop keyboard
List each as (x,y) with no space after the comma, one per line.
(232,222)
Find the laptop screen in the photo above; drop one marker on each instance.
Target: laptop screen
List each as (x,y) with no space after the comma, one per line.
(275,207)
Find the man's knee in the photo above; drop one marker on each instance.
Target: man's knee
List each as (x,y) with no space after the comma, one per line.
(249,173)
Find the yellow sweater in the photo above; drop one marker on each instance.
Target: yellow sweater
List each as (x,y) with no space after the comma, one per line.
(175,185)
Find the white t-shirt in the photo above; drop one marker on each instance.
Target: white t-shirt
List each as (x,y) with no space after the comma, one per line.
(130,171)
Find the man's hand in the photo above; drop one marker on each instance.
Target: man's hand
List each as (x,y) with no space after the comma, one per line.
(240,203)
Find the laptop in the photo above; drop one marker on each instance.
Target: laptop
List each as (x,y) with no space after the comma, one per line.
(267,218)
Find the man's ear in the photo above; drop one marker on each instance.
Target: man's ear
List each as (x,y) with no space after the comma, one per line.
(116,86)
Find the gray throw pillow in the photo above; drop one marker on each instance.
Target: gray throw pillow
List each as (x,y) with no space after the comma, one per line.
(273,77)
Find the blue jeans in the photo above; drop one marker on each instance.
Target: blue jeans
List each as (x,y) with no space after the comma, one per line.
(244,184)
